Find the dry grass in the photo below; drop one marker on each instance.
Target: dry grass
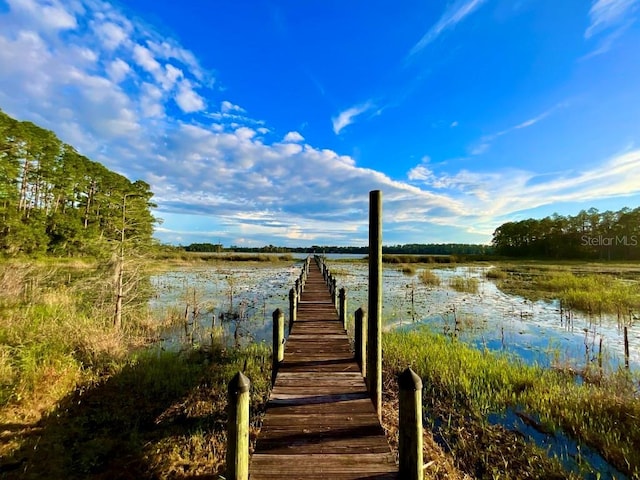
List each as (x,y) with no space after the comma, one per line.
(429,278)
(437,464)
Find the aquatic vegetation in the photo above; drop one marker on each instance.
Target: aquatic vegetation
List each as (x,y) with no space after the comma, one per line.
(594,293)
(408,269)
(429,278)
(464,284)
(464,385)
(496,274)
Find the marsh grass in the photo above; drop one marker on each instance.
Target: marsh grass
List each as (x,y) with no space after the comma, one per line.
(387,258)
(464,284)
(429,278)
(80,399)
(162,415)
(408,269)
(52,339)
(464,385)
(587,291)
(496,274)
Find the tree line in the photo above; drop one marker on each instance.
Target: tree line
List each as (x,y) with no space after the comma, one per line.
(54,200)
(407,249)
(590,234)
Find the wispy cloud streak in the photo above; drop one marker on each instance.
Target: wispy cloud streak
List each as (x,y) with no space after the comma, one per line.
(347,117)
(451,17)
(485,142)
(605,14)
(609,19)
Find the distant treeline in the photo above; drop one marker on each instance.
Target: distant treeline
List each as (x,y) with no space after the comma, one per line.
(54,200)
(588,235)
(409,249)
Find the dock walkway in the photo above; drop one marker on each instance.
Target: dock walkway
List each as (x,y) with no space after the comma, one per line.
(320,422)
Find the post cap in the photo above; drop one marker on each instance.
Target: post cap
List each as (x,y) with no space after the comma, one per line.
(409,381)
(240,383)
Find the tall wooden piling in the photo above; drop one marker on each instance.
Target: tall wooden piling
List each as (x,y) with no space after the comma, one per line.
(626,347)
(410,426)
(374,333)
(343,307)
(360,339)
(293,308)
(278,343)
(238,428)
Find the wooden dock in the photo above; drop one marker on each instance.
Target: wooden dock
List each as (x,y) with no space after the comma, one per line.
(320,421)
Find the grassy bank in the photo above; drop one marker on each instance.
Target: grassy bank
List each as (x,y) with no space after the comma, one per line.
(613,289)
(463,386)
(163,415)
(81,399)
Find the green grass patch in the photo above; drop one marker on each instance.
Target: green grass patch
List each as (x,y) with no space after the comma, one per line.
(387,258)
(496,274)
(464,284)
(463,385)
(587,291)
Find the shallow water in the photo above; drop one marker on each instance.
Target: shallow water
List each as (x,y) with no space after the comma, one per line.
(235,302)
(489,319)
(493,319)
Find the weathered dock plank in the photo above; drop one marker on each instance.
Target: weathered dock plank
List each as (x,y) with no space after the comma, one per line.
(320,422)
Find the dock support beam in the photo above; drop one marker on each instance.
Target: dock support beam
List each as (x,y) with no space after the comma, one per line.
(238,428)
(293,308)
(343,307)
(360,340)
(410,426)
(278,343)
(374,331)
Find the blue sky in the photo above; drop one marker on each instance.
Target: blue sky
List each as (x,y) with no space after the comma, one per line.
(268,122)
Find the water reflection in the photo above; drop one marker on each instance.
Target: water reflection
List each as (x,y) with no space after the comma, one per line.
(235,303)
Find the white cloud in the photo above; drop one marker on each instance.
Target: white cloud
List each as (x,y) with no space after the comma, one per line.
(112,97)
(605,14)
(118,70)
(171,76)
(146,60)
(111,35)
(347,117)
(488,195)
(226,107)
(293,137)
(151,101)
(187,99)
(449,19)
(609,20)
(50,15)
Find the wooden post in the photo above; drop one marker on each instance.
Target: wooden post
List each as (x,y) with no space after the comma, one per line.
(410,426)
(374,330)
(626,348)
(293,308)
(238,428)
(278,343)
(360,339)
(334,291)
(343,307)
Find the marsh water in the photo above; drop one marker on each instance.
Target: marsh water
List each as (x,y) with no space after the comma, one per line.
(235,302)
